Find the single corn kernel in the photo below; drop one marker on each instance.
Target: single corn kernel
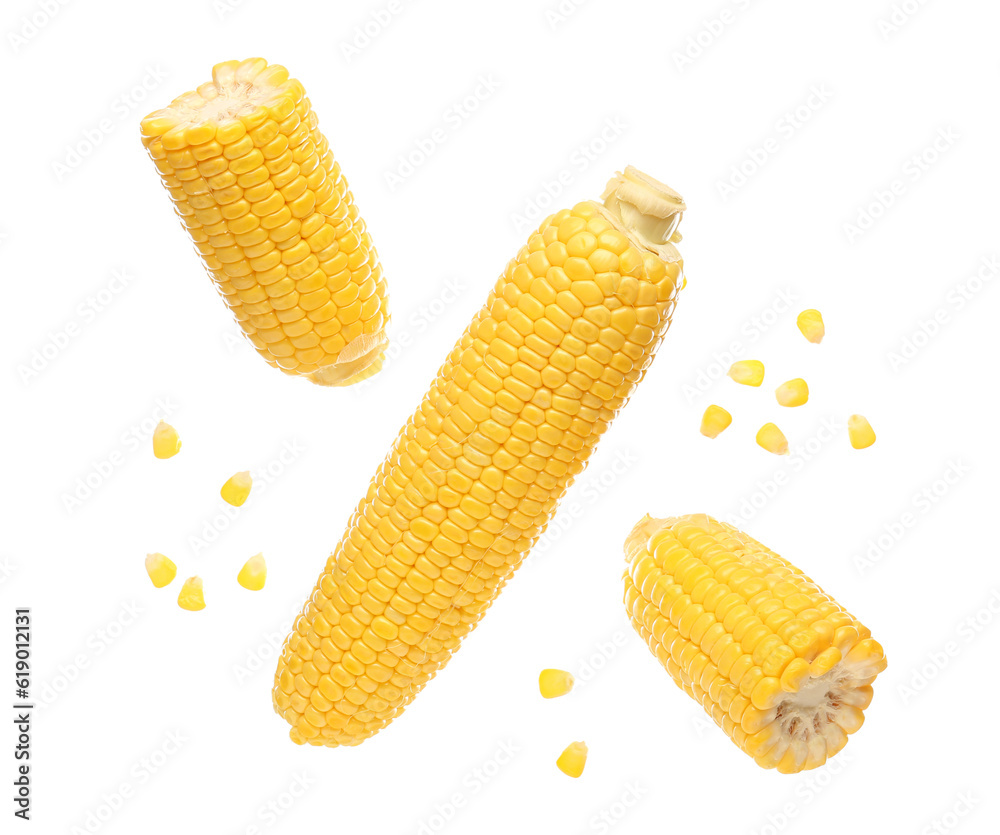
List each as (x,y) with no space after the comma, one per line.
(747,372)
(771,438)
(236,490)
(860,432)
(192,596)
(572,761)
(552,683)
(166,442)
(715,421)
(810,322)
(793,393)
(161,570)
(253,574)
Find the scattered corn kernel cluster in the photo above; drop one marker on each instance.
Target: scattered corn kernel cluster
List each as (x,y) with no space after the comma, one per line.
(256,185)
(777,663)
(475,475)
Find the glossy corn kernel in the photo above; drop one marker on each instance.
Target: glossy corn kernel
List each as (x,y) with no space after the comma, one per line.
(771,438)
(166,441)
(747,372)
(474,477)
(554,683)
(192,596)
(793,393)
(860,432)
(253,575)
(810,322)
(237,488)
(573,759)
(161,570)
(253,180)
(715,421)
(779,665)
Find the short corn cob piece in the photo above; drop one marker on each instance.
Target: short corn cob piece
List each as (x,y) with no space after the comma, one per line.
(715,421)
(747,372)
(475,475)
(161,570)
(776,662)
(554,683)
(255,184)
(166,441)
(771,438)
(793,393)
(192,596)
(860,431)
(236,490)
(572,761)
(253,575)
(810,322)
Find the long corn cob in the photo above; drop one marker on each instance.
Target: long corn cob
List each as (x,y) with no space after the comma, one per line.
(476,473)
(254,181)
(778,664)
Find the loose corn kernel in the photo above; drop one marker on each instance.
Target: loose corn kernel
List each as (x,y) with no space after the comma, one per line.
(779,665)
(161,570)
(572,761)
(747,372)
(771,438)
(552,683)
(166,441)
(236,490)
(715,421)
(793,393)
(860,432)
(475,475)
(192,596)
(810,322)
(253,574)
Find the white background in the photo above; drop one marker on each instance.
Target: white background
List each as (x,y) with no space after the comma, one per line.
(119,667)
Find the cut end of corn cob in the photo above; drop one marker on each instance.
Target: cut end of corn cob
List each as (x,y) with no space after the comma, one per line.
(860,432)
(256,185)
(715,421)
(793,393)
(810,322)
(166,441)
(573,759)
(161,570)
(648,209)
(236,490)
(192,596)
(747,372)
(253,575)
(778,664)
(771,438)
(554,683)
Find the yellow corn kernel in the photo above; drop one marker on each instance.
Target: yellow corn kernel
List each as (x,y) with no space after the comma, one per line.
(747,372)
(786,688)
(192,596)
(860,432)
(793,393)
(253,575)
(771,438)
(476,473)
(161,570)
(715,421)
(236,490)
(573,759)
(166,441)
(257,187)
(553,683)
(810,322)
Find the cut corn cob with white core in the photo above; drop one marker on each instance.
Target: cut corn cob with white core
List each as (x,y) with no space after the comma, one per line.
(476,473)
(781,667)
(256,185)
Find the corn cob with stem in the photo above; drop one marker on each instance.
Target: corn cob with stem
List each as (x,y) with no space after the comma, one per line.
(475,475)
